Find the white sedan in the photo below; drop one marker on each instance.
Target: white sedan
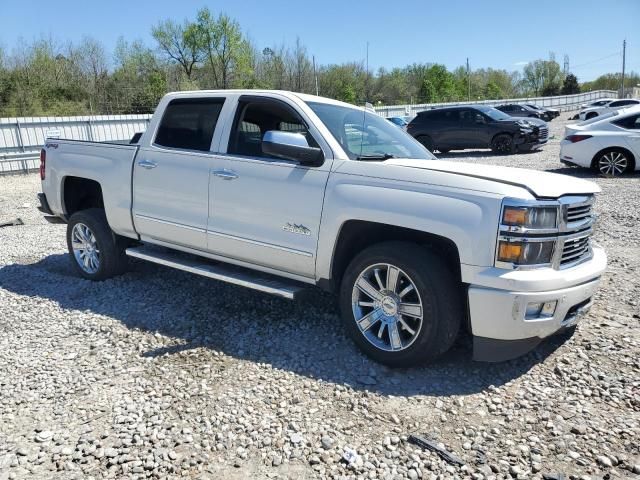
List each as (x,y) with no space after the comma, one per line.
(609,144)
(607,107)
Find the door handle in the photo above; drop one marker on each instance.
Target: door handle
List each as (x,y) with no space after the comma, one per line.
(225,174)
(148,164)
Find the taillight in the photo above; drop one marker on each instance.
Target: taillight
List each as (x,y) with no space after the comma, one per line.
(43,162)
(577,138)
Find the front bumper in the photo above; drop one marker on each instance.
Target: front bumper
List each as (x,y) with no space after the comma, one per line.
(497,315)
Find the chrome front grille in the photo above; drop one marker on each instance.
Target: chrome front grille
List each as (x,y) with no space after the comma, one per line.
(578,212)
(575,249)
(577,223)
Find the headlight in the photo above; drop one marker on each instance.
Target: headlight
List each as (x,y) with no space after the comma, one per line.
(525,253)
(540,218)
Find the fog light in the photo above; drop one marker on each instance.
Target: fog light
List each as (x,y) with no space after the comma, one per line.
(548,309)
(540,310)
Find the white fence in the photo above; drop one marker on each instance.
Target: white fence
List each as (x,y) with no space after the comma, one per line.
(22,138)
(564,103)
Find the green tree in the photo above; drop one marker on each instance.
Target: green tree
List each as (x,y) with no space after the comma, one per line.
(180,43)
(221,42)
(570,85)
(543,77)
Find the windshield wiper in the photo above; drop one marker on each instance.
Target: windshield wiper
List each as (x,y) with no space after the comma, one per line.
(385,156)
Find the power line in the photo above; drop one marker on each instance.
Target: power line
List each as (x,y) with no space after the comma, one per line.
(597,60)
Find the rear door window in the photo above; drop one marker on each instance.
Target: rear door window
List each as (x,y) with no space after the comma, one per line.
(189,123)
(630,123)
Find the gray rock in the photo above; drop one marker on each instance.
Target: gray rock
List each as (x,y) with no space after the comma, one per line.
(327,442)
(44,436)
(604,461)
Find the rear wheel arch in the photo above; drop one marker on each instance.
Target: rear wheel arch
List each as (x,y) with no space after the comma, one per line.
(356,235)
(626,151)
(80,193)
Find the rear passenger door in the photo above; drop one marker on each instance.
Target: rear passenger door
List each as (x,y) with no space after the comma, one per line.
(171,174)
(632,125)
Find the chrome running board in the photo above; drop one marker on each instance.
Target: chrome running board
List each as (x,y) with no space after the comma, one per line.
(218,271)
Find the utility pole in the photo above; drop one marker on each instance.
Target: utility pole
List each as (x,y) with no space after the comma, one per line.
(468,82)
(565,67)
(315,74)
(366,88)
(624,55)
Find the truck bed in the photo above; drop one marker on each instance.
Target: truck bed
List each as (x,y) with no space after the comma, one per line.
(108,163)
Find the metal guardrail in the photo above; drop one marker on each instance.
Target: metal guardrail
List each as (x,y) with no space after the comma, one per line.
(565,103)
(22,138)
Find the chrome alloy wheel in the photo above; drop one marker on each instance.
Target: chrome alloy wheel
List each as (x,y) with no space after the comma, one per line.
(613,163)
(85,248)
(387,307)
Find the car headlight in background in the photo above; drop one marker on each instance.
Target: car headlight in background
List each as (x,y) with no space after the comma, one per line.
(525,253)
(542,218)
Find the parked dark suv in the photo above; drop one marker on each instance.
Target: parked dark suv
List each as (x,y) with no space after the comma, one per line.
(521,111)
(476,126)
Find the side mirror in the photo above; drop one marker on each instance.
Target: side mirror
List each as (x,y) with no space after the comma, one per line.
(291,146)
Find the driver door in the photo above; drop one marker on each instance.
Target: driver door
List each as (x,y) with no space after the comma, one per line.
(265,210)
(473,128)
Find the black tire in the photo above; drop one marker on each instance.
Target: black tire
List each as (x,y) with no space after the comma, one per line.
(502,144)
(440,295)
(426,141)
(613,162)
(591,115)
(111,257)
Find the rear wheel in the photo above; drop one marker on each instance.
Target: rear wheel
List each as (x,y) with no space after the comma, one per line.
(502,144)
(613,162)
(426,141)
(400,304)
(96,252)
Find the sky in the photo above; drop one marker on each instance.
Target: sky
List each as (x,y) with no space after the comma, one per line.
(491,33)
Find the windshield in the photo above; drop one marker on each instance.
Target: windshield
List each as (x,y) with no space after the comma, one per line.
(364,135)
(494,113)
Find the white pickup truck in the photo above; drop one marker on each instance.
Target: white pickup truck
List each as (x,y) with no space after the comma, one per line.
(278,191)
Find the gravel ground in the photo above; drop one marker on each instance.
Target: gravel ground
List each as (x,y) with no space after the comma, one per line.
(160,374)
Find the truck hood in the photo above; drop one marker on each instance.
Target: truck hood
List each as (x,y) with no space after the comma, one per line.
(540,184)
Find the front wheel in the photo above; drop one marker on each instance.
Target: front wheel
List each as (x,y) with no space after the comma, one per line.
(400,304)
(502,144)
(96,252)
